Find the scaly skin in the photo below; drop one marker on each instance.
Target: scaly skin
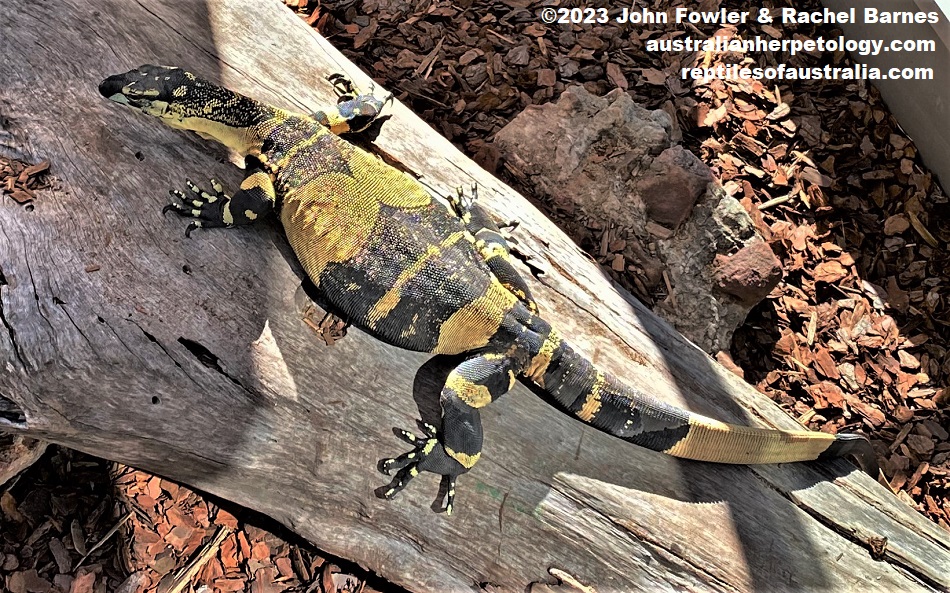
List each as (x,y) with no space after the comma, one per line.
(400,266)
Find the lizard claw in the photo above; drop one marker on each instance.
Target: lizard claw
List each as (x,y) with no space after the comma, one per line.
(416,454)
(206,208)
(343,86)
(427,454)
(195,224)
(460,203)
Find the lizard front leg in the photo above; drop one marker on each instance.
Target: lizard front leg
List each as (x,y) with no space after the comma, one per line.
(354,112)
(491,245)
(253,200)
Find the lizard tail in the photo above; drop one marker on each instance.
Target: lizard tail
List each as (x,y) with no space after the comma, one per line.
(603,401)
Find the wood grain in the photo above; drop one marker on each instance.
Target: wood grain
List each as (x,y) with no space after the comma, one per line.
(189,358)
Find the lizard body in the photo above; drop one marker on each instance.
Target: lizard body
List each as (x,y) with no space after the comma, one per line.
(402,267)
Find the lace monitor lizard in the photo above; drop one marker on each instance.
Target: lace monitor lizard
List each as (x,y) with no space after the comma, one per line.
(411,272)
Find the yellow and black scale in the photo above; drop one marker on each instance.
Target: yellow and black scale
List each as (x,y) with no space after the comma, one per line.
(398,264)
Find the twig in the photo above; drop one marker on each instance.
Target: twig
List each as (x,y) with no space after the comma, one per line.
(105,538)
(570,580)
(775,201)
(183,575)
(502,37)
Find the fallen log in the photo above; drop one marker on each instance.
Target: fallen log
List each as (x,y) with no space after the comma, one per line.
(191,358)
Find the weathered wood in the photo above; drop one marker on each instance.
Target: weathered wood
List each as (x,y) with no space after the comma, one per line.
(17,453)
(189,358)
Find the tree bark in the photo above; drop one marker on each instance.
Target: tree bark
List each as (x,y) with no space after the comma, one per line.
(191,359)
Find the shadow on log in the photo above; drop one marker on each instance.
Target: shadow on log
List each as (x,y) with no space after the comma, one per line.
(189,358)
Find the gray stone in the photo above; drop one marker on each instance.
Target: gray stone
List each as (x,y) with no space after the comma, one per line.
(613,164)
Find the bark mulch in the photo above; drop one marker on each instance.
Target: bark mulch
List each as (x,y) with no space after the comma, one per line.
(73,523)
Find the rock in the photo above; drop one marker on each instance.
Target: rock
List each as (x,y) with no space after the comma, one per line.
(611,164)
(699,307)
(675,181)
(586,151)
(750,274)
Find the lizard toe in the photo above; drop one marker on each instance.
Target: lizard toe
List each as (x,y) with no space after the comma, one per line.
(206,209)
(428,454)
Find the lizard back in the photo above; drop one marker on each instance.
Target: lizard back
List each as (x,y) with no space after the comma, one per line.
(394,260)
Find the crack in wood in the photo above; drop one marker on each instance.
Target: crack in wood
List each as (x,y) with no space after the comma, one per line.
(36,294)
(653,547)
(62,306)
(217,464)
(11,414)
(161,347)
(175,30)
(207,358)
(888,512)
(17,351)
(118,338)
(872,543)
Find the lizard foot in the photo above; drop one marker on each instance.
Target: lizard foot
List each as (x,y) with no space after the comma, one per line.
(356,112)
(206,207)
(346,90)
(427,454)
(460,203)
(344,87)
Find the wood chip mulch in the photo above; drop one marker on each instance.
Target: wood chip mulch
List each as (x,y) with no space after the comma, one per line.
(52,519)
(857,335)
(78,524)
(21,180)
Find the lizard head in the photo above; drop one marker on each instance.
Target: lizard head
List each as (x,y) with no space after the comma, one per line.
(182,100)
(160,91)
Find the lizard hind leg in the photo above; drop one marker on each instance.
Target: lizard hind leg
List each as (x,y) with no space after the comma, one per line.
(456,448)
(491,245)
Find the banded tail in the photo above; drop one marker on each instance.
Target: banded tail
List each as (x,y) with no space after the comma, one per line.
(603,401)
